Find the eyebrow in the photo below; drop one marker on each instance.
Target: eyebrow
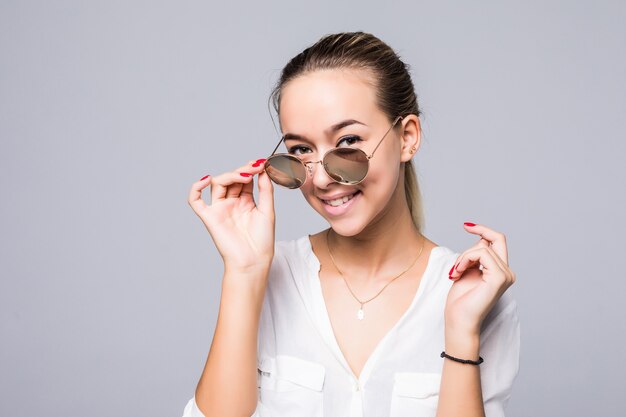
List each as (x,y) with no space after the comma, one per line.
(334,128)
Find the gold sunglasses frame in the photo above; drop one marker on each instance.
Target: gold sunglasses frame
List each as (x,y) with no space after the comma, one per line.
(309,168)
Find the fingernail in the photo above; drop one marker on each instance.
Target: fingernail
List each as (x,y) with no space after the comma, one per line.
(261,160)
(469,224)
(204,178)
(245,174)
(450,273)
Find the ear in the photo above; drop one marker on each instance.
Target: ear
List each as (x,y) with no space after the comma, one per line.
(411,137)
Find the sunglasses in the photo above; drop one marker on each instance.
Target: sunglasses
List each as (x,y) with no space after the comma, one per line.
(344,165)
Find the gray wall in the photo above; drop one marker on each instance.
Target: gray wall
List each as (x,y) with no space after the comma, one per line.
(110,110)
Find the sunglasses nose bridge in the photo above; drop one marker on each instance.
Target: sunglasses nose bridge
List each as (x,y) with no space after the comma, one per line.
(309,165)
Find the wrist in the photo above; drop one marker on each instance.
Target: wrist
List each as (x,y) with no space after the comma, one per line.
(261,268)
(462,329)
(462,343)
(246,280)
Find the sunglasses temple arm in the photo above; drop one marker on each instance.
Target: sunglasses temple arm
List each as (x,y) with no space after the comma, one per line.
(384,136)
(279,142)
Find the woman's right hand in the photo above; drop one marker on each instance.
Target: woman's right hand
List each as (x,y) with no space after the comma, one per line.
(243,231)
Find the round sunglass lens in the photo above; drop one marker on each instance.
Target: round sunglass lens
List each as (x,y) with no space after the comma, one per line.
(346,165)
(286,171)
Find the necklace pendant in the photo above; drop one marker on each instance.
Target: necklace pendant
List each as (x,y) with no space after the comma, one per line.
(360,314)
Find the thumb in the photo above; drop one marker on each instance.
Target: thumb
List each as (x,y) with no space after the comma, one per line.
(266,194)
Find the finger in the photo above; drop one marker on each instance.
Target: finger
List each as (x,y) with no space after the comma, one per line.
(509,275)
(486,257)
(482,243)
(195,194)
(221,183)
(469,227)
(266,194)
(234,190)
(230,184)
(256,168)
(470,257)
(253,168)
(496,239)
(246,192)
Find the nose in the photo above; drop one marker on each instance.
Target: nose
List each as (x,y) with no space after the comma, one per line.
(318,174)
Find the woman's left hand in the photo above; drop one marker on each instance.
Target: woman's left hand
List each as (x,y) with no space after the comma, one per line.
(475,290)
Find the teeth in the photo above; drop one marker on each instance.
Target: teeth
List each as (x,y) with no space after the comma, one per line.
(339,201)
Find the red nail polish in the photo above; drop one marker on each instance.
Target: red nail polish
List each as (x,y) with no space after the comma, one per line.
(258,162)
(245,174)
(451,269)
(469,224)
(204,178)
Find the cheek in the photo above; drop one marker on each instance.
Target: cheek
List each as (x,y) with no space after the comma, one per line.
(385,164)
(307,193)
(382,177)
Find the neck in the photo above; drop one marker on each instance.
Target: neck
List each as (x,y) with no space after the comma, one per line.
(386,247)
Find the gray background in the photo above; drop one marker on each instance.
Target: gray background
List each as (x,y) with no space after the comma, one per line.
(110,110)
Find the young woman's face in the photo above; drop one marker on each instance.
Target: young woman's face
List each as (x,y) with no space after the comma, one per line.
(310,105)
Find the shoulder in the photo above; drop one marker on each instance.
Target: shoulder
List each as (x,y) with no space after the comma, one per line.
(443,255)
(291,257)
(287,249)
(441,259)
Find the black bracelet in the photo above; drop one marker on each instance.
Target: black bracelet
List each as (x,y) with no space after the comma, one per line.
(478,362)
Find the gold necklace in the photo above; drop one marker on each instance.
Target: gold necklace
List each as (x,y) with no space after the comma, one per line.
(360,314)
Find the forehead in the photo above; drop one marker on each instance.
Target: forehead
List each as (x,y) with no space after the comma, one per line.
(317,100)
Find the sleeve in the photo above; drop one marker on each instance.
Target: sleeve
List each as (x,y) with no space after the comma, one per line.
(192,410)
(500,349)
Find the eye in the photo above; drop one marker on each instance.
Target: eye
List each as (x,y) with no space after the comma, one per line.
(350,140)
(298,148)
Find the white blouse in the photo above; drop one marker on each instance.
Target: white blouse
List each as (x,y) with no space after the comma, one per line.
(302,371)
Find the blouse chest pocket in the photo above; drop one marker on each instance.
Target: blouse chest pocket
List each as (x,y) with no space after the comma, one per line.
(291,386)
(415,394)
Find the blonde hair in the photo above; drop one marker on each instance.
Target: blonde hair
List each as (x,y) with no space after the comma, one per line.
(395,92)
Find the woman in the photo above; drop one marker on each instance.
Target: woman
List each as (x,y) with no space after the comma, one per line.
(358,319)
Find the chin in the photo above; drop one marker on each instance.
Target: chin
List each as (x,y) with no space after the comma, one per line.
(347,227)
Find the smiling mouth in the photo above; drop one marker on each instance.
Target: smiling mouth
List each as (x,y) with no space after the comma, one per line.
(340,201)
